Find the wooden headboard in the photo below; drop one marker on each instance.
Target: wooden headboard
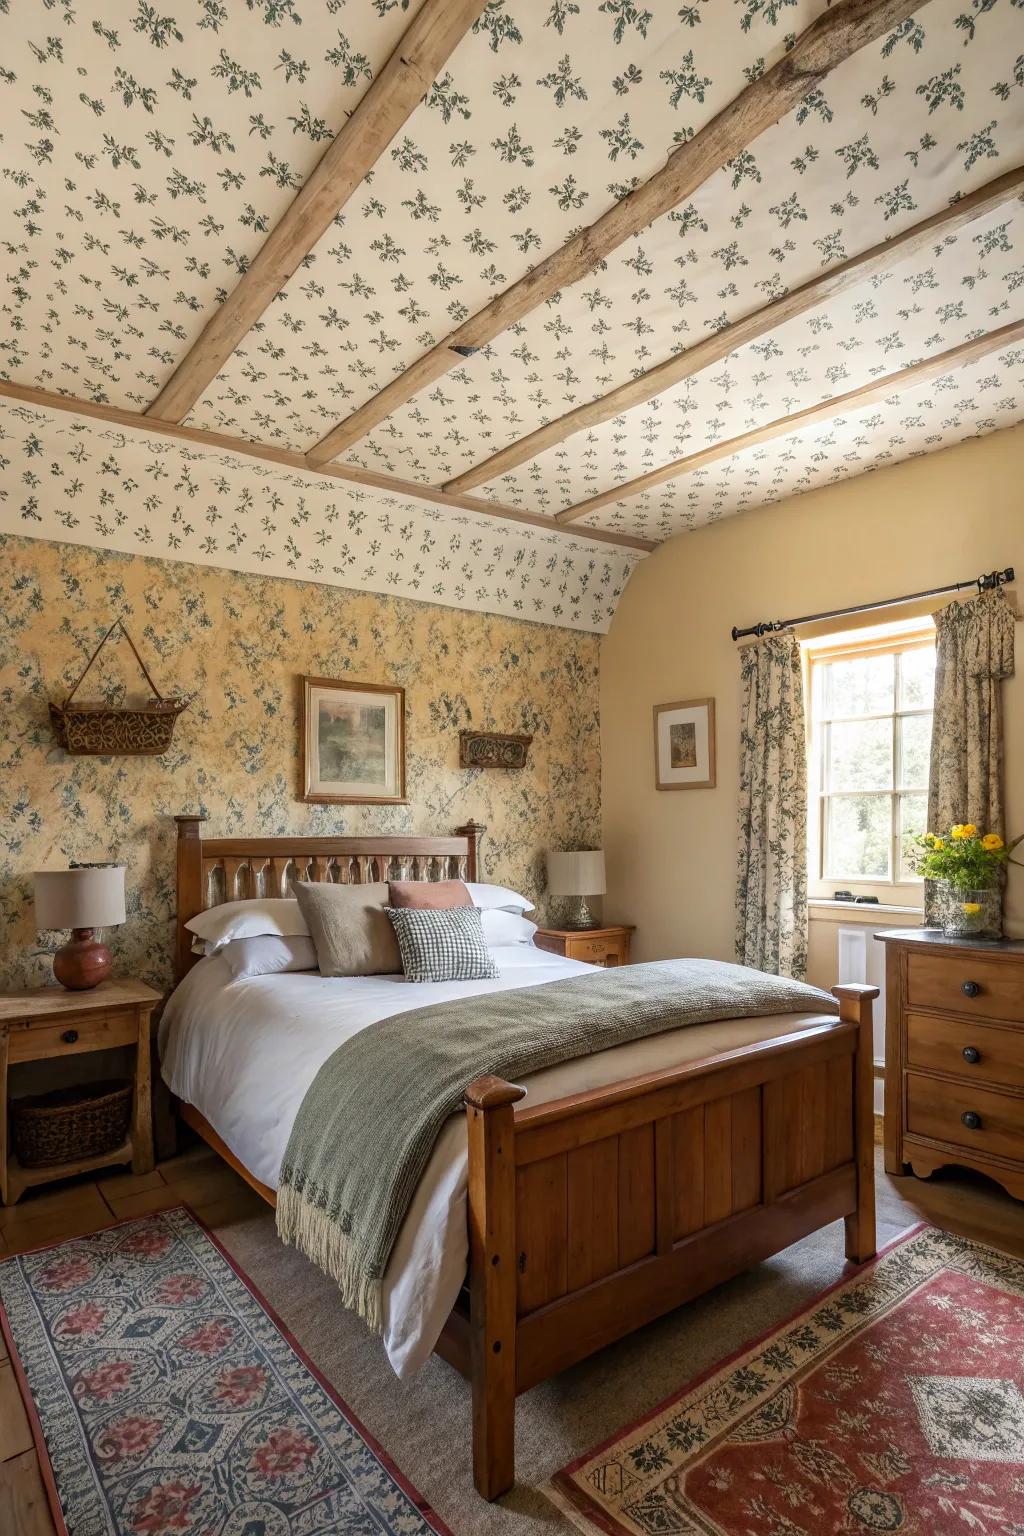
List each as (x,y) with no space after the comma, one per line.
(216,869)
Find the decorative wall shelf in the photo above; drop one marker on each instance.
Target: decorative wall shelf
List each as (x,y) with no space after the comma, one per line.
(492,749)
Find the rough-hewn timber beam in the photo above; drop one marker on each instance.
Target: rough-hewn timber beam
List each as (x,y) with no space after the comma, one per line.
(894,383)
(388,101)
(217,442)
(682,365)
(831,38)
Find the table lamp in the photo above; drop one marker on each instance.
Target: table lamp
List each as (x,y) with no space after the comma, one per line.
(580,874)
(83,900)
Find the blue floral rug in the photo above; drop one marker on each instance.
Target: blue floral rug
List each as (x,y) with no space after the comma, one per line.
(168,1398)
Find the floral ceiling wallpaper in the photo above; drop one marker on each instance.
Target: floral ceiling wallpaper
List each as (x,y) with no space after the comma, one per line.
(148,148)
(73,478)
(238,642)
(898,131)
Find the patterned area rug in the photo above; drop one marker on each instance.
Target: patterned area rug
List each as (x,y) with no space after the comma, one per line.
(895,1402)
(168,1398)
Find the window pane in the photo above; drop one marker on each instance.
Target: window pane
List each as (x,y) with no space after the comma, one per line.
(916,737)
(858,837)
(860,756)
(862,686)
(913,814)
(917,678)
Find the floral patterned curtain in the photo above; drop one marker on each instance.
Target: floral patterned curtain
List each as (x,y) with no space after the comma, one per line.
(771,887)
(974,652)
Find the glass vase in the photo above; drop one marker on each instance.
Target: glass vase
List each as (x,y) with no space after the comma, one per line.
(970,914)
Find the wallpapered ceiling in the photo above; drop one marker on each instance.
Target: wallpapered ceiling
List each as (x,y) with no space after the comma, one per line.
(239,642)
(65,477)
(148,149)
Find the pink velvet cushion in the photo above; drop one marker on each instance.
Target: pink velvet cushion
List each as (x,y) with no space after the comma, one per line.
(435,894)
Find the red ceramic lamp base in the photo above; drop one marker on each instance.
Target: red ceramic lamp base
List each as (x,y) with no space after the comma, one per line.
(83,962)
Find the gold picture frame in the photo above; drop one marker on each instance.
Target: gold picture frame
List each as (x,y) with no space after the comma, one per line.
(684,745)
(352,742)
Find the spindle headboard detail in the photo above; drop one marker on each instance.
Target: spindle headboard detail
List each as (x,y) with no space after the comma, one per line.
(217,869)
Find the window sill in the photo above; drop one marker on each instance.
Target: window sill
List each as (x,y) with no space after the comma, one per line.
(828,911)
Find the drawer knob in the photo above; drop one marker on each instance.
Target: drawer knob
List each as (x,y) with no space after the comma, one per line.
(69,1036)
(971,1054)
(971,988)
(971,1119)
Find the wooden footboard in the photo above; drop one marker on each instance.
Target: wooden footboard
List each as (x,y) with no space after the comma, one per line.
(594,1214)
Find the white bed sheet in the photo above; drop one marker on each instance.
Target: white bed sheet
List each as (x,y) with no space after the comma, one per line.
(245,1052)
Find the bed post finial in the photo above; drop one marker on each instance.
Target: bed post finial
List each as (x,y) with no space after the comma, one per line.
(474,832)
(189,822)
(190,884)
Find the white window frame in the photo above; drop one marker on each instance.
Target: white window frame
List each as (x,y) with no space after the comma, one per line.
(893,640)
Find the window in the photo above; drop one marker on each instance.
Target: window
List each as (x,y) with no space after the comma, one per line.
(870,741)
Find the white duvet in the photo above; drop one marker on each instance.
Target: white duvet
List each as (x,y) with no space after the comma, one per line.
(244,1053)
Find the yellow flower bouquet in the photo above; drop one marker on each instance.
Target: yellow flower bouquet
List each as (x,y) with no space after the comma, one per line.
(967,864)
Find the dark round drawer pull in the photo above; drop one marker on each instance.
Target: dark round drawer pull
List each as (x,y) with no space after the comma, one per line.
(971,988)
(971,1054)
(971,1119)
(69,1036)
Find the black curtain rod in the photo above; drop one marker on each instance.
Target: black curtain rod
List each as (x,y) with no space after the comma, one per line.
(772,626)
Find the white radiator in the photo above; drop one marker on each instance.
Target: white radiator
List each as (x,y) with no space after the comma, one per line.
(861,957)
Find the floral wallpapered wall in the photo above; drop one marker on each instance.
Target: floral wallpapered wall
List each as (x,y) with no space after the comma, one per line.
(239,642)
(70,477)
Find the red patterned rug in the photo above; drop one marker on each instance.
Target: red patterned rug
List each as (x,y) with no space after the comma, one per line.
(895,1402)
(165,1397)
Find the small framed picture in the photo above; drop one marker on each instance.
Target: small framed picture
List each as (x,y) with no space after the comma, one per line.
(684,745)
(353,742)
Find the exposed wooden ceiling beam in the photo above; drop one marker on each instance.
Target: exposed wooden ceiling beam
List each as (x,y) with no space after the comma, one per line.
(879,258)
(907,378)
(389,100)
(218,442)
(831,38)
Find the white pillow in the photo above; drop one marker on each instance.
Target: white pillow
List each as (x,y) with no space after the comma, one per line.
(247,920)
(499,898)
(502,927)
(269,954)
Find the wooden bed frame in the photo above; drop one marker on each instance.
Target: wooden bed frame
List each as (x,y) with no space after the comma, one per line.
(592,1215)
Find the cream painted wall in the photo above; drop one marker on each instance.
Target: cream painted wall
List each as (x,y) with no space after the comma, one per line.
(671,854)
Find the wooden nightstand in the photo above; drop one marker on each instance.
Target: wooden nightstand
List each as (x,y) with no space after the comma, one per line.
(597,946)
(50,1022)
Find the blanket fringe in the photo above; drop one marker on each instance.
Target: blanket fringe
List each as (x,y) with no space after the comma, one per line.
(311,1230)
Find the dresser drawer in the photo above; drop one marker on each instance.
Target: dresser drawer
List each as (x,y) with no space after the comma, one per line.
(980,985)
(89,1032)
(966,1049)
(936,1108)
(610,951)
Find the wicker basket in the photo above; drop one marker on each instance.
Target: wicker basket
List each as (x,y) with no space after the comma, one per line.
(71,1124)
(102,730)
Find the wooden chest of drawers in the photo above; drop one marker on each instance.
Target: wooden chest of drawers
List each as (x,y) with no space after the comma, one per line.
(954,1055)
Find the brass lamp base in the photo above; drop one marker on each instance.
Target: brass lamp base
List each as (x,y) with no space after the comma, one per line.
(83,962)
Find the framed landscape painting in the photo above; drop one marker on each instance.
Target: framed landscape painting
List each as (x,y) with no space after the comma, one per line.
(684,745)
(353,742)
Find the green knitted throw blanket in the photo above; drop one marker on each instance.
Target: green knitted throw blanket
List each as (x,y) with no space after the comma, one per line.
(368,1123)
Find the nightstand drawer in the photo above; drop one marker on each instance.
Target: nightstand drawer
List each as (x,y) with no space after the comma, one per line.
(976,984)
(611,951)
(967,1050)
(994,1122)
(31,1041)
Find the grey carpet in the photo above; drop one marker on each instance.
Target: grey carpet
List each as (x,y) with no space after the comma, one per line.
(423,1424)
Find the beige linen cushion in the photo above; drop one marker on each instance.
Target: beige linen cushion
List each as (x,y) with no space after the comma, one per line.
(350,928)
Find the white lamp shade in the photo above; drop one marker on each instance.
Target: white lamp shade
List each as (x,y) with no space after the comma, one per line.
(580,873)
(79,898)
